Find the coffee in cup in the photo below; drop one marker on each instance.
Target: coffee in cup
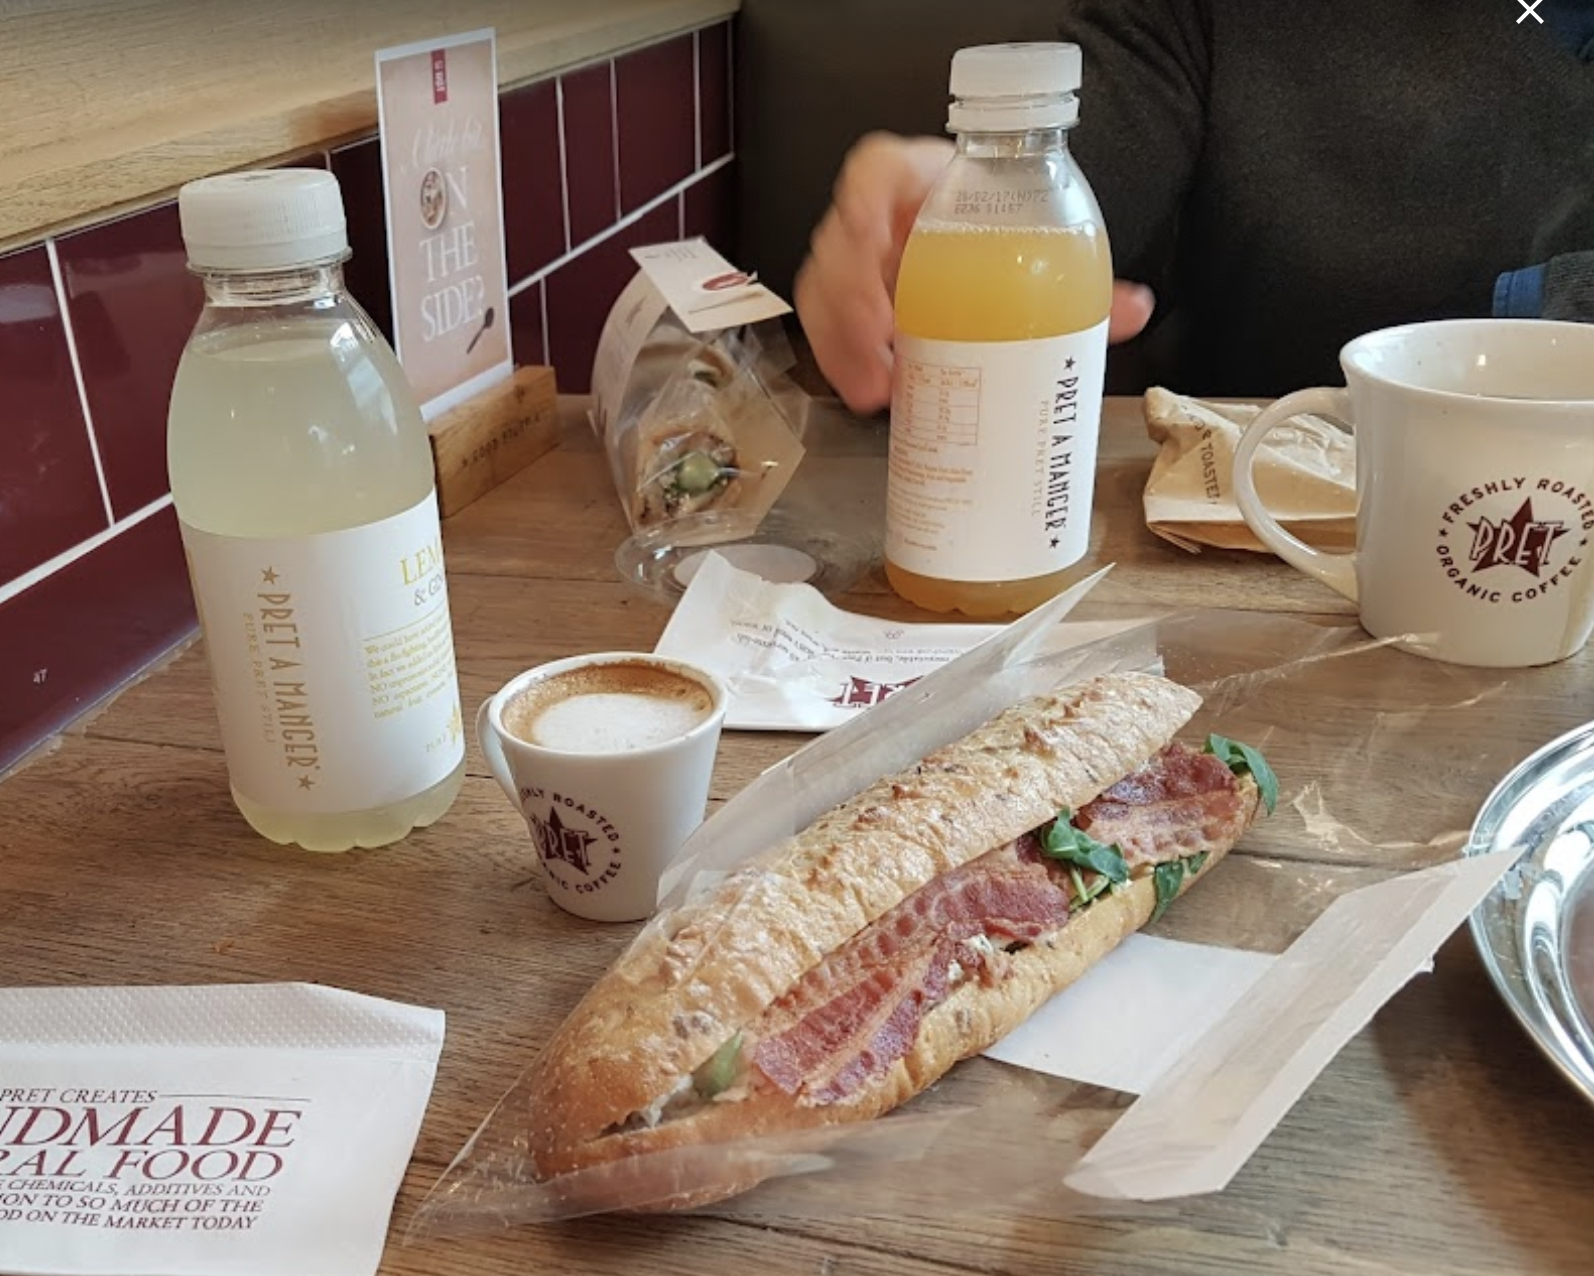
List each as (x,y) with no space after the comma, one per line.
(1474,488)
(608,708)
(608,758)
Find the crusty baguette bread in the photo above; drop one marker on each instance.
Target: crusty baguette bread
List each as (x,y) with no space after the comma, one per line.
(695,976)
(973,1018)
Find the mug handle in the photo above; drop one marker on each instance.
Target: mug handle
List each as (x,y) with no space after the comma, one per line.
(1337,571)
(493,750)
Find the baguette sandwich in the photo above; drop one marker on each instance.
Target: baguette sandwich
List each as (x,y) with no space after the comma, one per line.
(847,969)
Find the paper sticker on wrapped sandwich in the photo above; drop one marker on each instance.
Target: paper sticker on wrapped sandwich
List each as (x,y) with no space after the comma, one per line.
(690,396)
(706,292)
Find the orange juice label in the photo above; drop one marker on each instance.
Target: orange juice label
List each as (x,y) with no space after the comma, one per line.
(993,454)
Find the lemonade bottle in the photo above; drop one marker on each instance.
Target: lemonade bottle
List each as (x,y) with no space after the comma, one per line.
(303,480)
(1001,346)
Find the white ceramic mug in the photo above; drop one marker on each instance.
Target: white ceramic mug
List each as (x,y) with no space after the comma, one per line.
(1474,487)
(606,817)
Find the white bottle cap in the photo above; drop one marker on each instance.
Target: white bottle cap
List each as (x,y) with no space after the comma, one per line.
(263,220)
(1009,88)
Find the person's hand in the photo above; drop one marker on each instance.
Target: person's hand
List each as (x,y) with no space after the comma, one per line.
(845,287)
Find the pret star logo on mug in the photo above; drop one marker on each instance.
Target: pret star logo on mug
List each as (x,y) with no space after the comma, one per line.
(1474,484)
(1541,549)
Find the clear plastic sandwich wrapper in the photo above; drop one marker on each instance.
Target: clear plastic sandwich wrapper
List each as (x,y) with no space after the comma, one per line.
(703,427)
(1283,953)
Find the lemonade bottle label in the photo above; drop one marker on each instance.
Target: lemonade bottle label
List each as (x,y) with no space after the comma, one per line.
(333,661)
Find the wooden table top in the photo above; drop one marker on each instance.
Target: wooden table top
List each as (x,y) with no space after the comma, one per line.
(1437,1142)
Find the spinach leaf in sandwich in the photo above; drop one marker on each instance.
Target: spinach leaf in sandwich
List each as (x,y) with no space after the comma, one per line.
(1242,759)
(1079,850)
(1167,878)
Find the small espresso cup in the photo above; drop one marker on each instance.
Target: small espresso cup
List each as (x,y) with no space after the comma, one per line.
(1474,488)
(608,757)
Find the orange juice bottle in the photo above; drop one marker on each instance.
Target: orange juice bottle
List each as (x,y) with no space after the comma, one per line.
(1001,346)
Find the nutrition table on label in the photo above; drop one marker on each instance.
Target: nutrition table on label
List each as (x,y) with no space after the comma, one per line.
(938,405)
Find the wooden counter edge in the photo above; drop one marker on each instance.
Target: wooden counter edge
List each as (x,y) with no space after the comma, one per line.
(104,167)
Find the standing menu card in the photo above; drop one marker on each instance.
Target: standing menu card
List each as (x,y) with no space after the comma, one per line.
(437,102)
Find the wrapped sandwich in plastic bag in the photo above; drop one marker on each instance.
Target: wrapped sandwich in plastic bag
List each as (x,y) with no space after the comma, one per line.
(691,398)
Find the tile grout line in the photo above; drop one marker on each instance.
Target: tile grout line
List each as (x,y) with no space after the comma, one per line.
(77,374)
(82,549)
(657,202)
(614,132)
(547,341)
(697,100)
(730,90)
(564,164)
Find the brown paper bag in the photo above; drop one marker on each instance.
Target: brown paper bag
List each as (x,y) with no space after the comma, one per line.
(1305,474)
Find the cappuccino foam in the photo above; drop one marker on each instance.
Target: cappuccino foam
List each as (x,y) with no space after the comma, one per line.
(608,708)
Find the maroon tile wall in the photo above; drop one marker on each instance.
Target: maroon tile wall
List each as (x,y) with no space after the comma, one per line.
(590,161)
(528,122)
(87,628)
(358,169)
(581,291)
(50,497)
(655,100)
(527,324)
(133,304)
(93,587)
(714,93)
(708,208)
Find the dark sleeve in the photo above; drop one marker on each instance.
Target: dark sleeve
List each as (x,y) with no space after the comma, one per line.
(1142,121)
(1561,288)
(812,76)
(1569,287)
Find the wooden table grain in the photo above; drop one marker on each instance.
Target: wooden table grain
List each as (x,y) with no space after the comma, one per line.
(1437,1142)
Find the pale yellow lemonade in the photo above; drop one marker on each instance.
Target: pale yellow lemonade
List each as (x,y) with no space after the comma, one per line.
(984,283)
(235,473)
